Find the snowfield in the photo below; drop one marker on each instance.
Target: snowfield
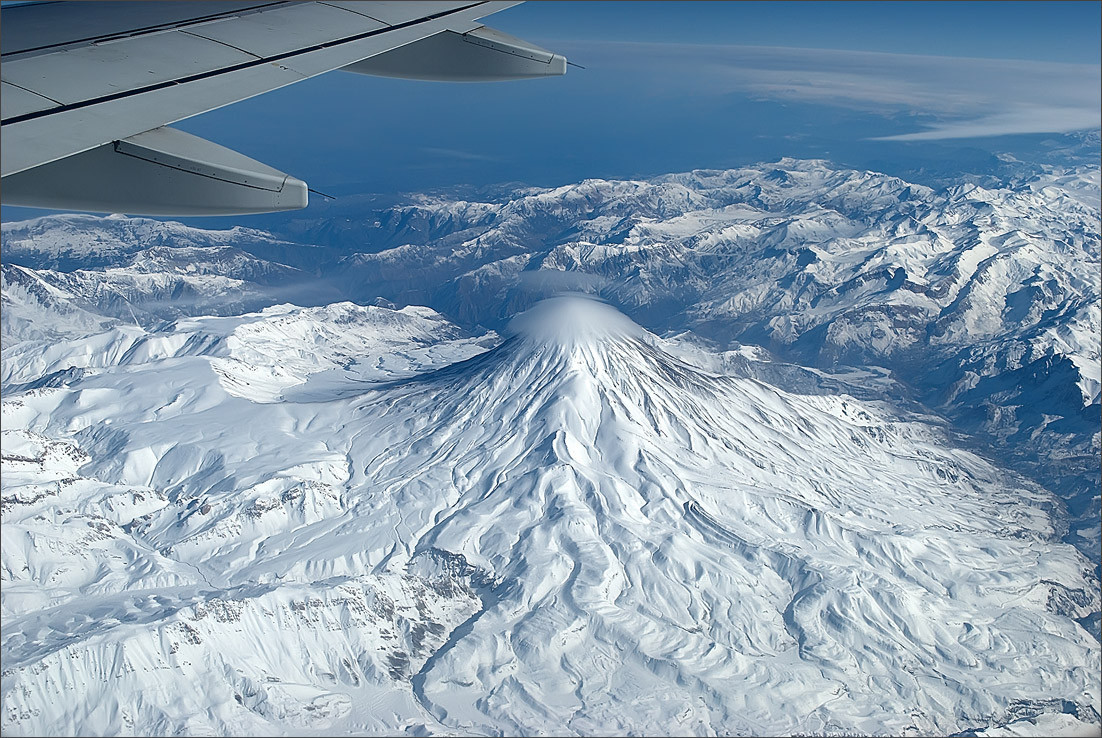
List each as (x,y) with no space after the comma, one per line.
(568,529)
(785,449)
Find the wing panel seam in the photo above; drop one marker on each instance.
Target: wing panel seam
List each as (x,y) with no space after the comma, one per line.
(353,12)
(38,94)
(223,43)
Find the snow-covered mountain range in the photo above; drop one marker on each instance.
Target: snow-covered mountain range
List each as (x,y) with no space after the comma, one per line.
(982,303)
(773,484)
(956,291)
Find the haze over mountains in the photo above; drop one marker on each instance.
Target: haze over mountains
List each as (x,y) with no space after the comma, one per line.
(825,460)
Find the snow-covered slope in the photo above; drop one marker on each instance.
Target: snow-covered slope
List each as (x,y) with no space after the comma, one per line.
(34,309)
(157,284)
(78,241)
(64,274)
(574,531)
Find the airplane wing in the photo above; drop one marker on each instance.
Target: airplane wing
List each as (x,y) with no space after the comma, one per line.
(90,88)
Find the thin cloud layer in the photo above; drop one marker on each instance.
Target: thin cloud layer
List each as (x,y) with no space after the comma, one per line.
(965,97)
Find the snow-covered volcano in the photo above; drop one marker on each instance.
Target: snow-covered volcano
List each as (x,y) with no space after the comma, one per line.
(980,297)
(578,530)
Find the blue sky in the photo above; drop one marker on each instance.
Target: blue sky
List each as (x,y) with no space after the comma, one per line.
(1049,31)
(675,86)
(671,86)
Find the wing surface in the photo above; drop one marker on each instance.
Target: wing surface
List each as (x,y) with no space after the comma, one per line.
(79,78)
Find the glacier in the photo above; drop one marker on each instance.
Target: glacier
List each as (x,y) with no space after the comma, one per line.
(656,508)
